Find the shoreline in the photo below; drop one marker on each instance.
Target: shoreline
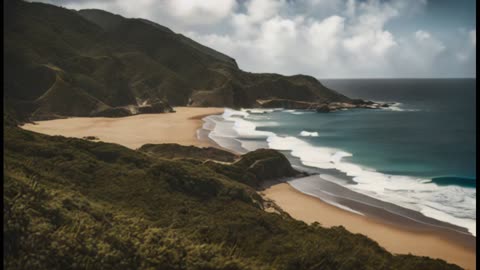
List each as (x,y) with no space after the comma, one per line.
(397,234)
(396,239)
(134,131)
(184,127)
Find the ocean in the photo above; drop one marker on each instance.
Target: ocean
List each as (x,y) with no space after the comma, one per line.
(417,156)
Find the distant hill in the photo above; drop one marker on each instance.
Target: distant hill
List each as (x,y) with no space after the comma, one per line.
(61,62)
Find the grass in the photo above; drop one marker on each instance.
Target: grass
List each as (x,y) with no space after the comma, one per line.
(76,204)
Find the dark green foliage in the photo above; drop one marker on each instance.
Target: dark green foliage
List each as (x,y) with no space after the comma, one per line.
(266,164)
(173,150)
(60,62)
(76,204)
(113,112)
(235,173)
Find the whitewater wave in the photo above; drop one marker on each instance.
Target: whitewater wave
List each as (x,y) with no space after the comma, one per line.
(298,112)
(261,111)
(309,134)
(453,204)
(398,107)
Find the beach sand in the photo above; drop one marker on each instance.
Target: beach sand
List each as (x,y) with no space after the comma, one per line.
(133,131)
(396,240)
(181,127)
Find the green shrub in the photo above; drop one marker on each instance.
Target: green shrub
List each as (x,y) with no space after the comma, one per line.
(76,204)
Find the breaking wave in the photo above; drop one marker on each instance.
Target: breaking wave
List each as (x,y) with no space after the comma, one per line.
(449,203)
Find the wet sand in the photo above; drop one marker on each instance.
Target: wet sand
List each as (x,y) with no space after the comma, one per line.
(398,239)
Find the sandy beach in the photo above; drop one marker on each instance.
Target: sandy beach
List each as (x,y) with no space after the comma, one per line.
(181,127)
(133,131)
(396,240)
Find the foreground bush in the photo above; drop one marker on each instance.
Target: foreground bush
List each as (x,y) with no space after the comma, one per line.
(76,204)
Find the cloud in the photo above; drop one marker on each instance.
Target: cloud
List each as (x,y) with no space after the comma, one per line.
(473,37)
(430,44)
(322,46)
(200,11)
(323,38)
(260,10)
(466,52)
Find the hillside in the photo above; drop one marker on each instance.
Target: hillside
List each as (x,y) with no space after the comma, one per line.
(60,62)
(75,204)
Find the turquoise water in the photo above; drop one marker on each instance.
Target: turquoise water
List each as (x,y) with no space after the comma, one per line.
(434,134)
(418,154)
(413,143)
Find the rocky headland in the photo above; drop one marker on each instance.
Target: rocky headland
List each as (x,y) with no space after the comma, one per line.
(321,107)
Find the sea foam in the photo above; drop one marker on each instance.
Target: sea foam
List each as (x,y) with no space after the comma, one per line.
(452,204)
(397,107)
(309,134)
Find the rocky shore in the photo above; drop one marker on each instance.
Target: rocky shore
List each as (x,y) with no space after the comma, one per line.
(323,107)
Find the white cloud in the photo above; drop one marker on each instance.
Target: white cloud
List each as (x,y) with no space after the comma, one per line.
(259,10)
(326,34)
(323,38)
(430,44)
(473,37)
(349,44)
(199,11)
(466,52)
(350,8)
(420,53)
(422,35)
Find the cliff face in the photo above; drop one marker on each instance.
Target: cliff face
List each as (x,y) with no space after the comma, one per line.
(61,62)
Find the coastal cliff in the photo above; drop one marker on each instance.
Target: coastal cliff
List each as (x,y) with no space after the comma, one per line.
(82,203)
(61,62)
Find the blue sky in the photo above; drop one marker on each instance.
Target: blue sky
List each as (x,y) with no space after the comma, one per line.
(440,17)
(323,38)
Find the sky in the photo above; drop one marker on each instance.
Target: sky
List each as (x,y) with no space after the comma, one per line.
(322,38)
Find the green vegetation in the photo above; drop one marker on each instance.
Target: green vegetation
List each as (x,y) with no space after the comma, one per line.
(60,62)
(76,204)
(266,164)
(173,150)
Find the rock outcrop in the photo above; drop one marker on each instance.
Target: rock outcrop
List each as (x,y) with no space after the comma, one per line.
(266,164)
(320,107)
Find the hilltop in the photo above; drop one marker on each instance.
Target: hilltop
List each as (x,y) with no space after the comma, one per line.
(72,203)
(60,62)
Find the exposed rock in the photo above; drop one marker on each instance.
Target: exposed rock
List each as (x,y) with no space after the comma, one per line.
(91,138)
(358,101)
(319,107)
(286,104)
(266,164)
(158,107)
(323,108)
(113,112)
